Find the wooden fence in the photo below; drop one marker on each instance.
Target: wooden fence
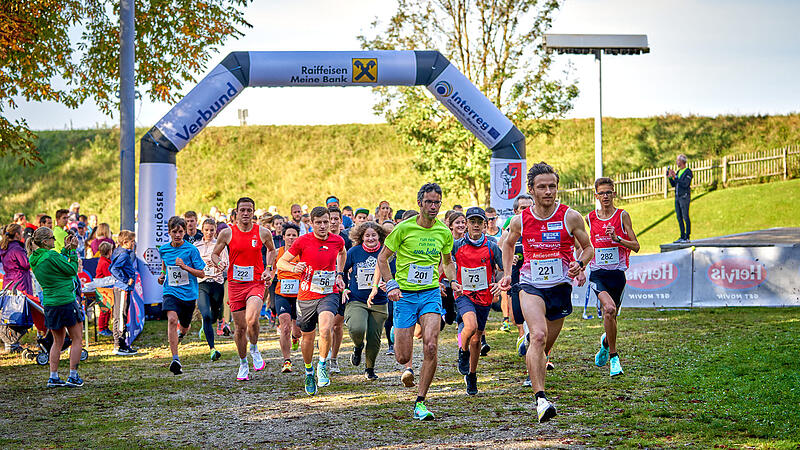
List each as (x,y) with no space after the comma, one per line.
(778,163)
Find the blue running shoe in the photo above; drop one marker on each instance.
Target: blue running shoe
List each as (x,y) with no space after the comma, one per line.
(601,358)
(75,381)
(615,367)
(322,374)
(421,412)
(55,382)
(311,384)
(522,345)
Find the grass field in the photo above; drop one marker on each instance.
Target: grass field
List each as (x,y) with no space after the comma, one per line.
(725,378)
(720,212)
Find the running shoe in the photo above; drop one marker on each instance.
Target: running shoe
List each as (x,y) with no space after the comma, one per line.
(615,367)
(75,381)
(471,380)
(463,361)
(390,351)
(244,372)
(124,351)
(527,382)
(522,344)
(407,378)
(355,358)
(201,334)
(226,330)
(370,374)
(176,367)
(601,358)
(106,333)
(334,366)
(505,326)
(485,348)
(215,354)
(180,336)
(311,385)
(545,410)
(55,382)
(287,366)
(258,361)
(421,412)
(548,365)
(322,374)
(295,344)
(219,327)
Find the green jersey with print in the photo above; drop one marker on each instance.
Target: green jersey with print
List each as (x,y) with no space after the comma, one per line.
(418,252)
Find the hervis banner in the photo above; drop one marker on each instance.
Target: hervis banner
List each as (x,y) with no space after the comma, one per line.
(747,276)
(661,280)
(239,70)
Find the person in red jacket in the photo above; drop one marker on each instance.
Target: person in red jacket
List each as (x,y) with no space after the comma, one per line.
(478,258)
(107,293)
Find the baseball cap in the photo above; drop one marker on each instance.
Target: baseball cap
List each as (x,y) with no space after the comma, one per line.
(475,212)
(81,225)
(362,210)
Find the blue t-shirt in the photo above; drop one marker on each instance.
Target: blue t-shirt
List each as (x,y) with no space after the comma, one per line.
(178,282)
(359,260)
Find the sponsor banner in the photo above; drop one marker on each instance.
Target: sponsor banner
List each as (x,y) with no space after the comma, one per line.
(661,280)
(747,276)
(199,106)
(156,206)
(476,112)
(507,181)
(357,68)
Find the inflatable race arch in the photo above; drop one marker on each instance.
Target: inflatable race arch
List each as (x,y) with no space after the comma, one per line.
(159,146)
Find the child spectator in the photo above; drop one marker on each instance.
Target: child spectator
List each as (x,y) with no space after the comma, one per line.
(101,234)
(124,272)
(106,293)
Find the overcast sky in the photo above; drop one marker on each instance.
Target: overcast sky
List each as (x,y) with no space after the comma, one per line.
(707,58)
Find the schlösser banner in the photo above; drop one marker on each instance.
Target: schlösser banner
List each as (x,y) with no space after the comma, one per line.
(747,276)
(661,280)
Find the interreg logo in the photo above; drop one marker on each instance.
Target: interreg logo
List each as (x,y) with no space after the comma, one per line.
(652,275)
(445,90)
(737,273)
(205,115)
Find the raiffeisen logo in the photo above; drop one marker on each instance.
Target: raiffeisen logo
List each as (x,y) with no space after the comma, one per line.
(737,273)
(652,275)
(444,89)
(205,115)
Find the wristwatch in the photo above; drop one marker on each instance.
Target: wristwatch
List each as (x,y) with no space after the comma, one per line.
(580,263)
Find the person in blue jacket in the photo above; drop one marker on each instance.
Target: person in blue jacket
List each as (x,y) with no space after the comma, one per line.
(123,269)
(364,317)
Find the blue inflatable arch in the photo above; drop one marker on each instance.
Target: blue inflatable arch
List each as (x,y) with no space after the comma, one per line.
(158,174)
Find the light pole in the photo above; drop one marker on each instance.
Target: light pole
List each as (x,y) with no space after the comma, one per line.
(596,44)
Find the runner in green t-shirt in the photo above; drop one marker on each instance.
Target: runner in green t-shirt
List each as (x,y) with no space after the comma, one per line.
(419,243)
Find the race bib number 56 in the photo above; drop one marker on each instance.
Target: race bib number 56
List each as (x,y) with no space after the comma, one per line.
(322,281)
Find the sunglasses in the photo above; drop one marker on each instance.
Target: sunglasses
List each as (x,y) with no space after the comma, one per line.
(605,193)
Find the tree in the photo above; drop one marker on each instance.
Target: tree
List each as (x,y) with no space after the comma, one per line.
(497,44)
(67,51)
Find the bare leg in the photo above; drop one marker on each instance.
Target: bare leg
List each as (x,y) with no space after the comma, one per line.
(469,330)
(286,323)
(337,334)
(430,348)
(553,330)
(253,310)
(404,345)
(172,331)
(240,332)
(474,351)
(307,346)
(55,349)
(77,344)
(325,328)
(609,320)
(533,310)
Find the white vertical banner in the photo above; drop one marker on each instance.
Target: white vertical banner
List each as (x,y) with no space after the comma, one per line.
(507,181)
(156,205)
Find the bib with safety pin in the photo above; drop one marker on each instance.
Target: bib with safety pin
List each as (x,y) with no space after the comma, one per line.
(474,278)
(322,281)
(177,276)
(242,273)
(290,287)
(420,275)
(209,270)
(546,269)
(365,277)
(607,256)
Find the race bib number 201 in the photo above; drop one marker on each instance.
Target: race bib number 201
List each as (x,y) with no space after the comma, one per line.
(420,275)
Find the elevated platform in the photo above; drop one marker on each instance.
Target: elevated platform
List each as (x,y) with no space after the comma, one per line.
(770,237)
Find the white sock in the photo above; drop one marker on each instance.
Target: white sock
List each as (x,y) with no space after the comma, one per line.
(53,375)
(243,361)
(322,360)
(253,348)
(525,327)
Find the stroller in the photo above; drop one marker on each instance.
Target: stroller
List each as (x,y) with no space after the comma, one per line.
(25,314)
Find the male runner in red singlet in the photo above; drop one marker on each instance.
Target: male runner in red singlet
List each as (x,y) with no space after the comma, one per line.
(613,239)
(247,279)
(549,232)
